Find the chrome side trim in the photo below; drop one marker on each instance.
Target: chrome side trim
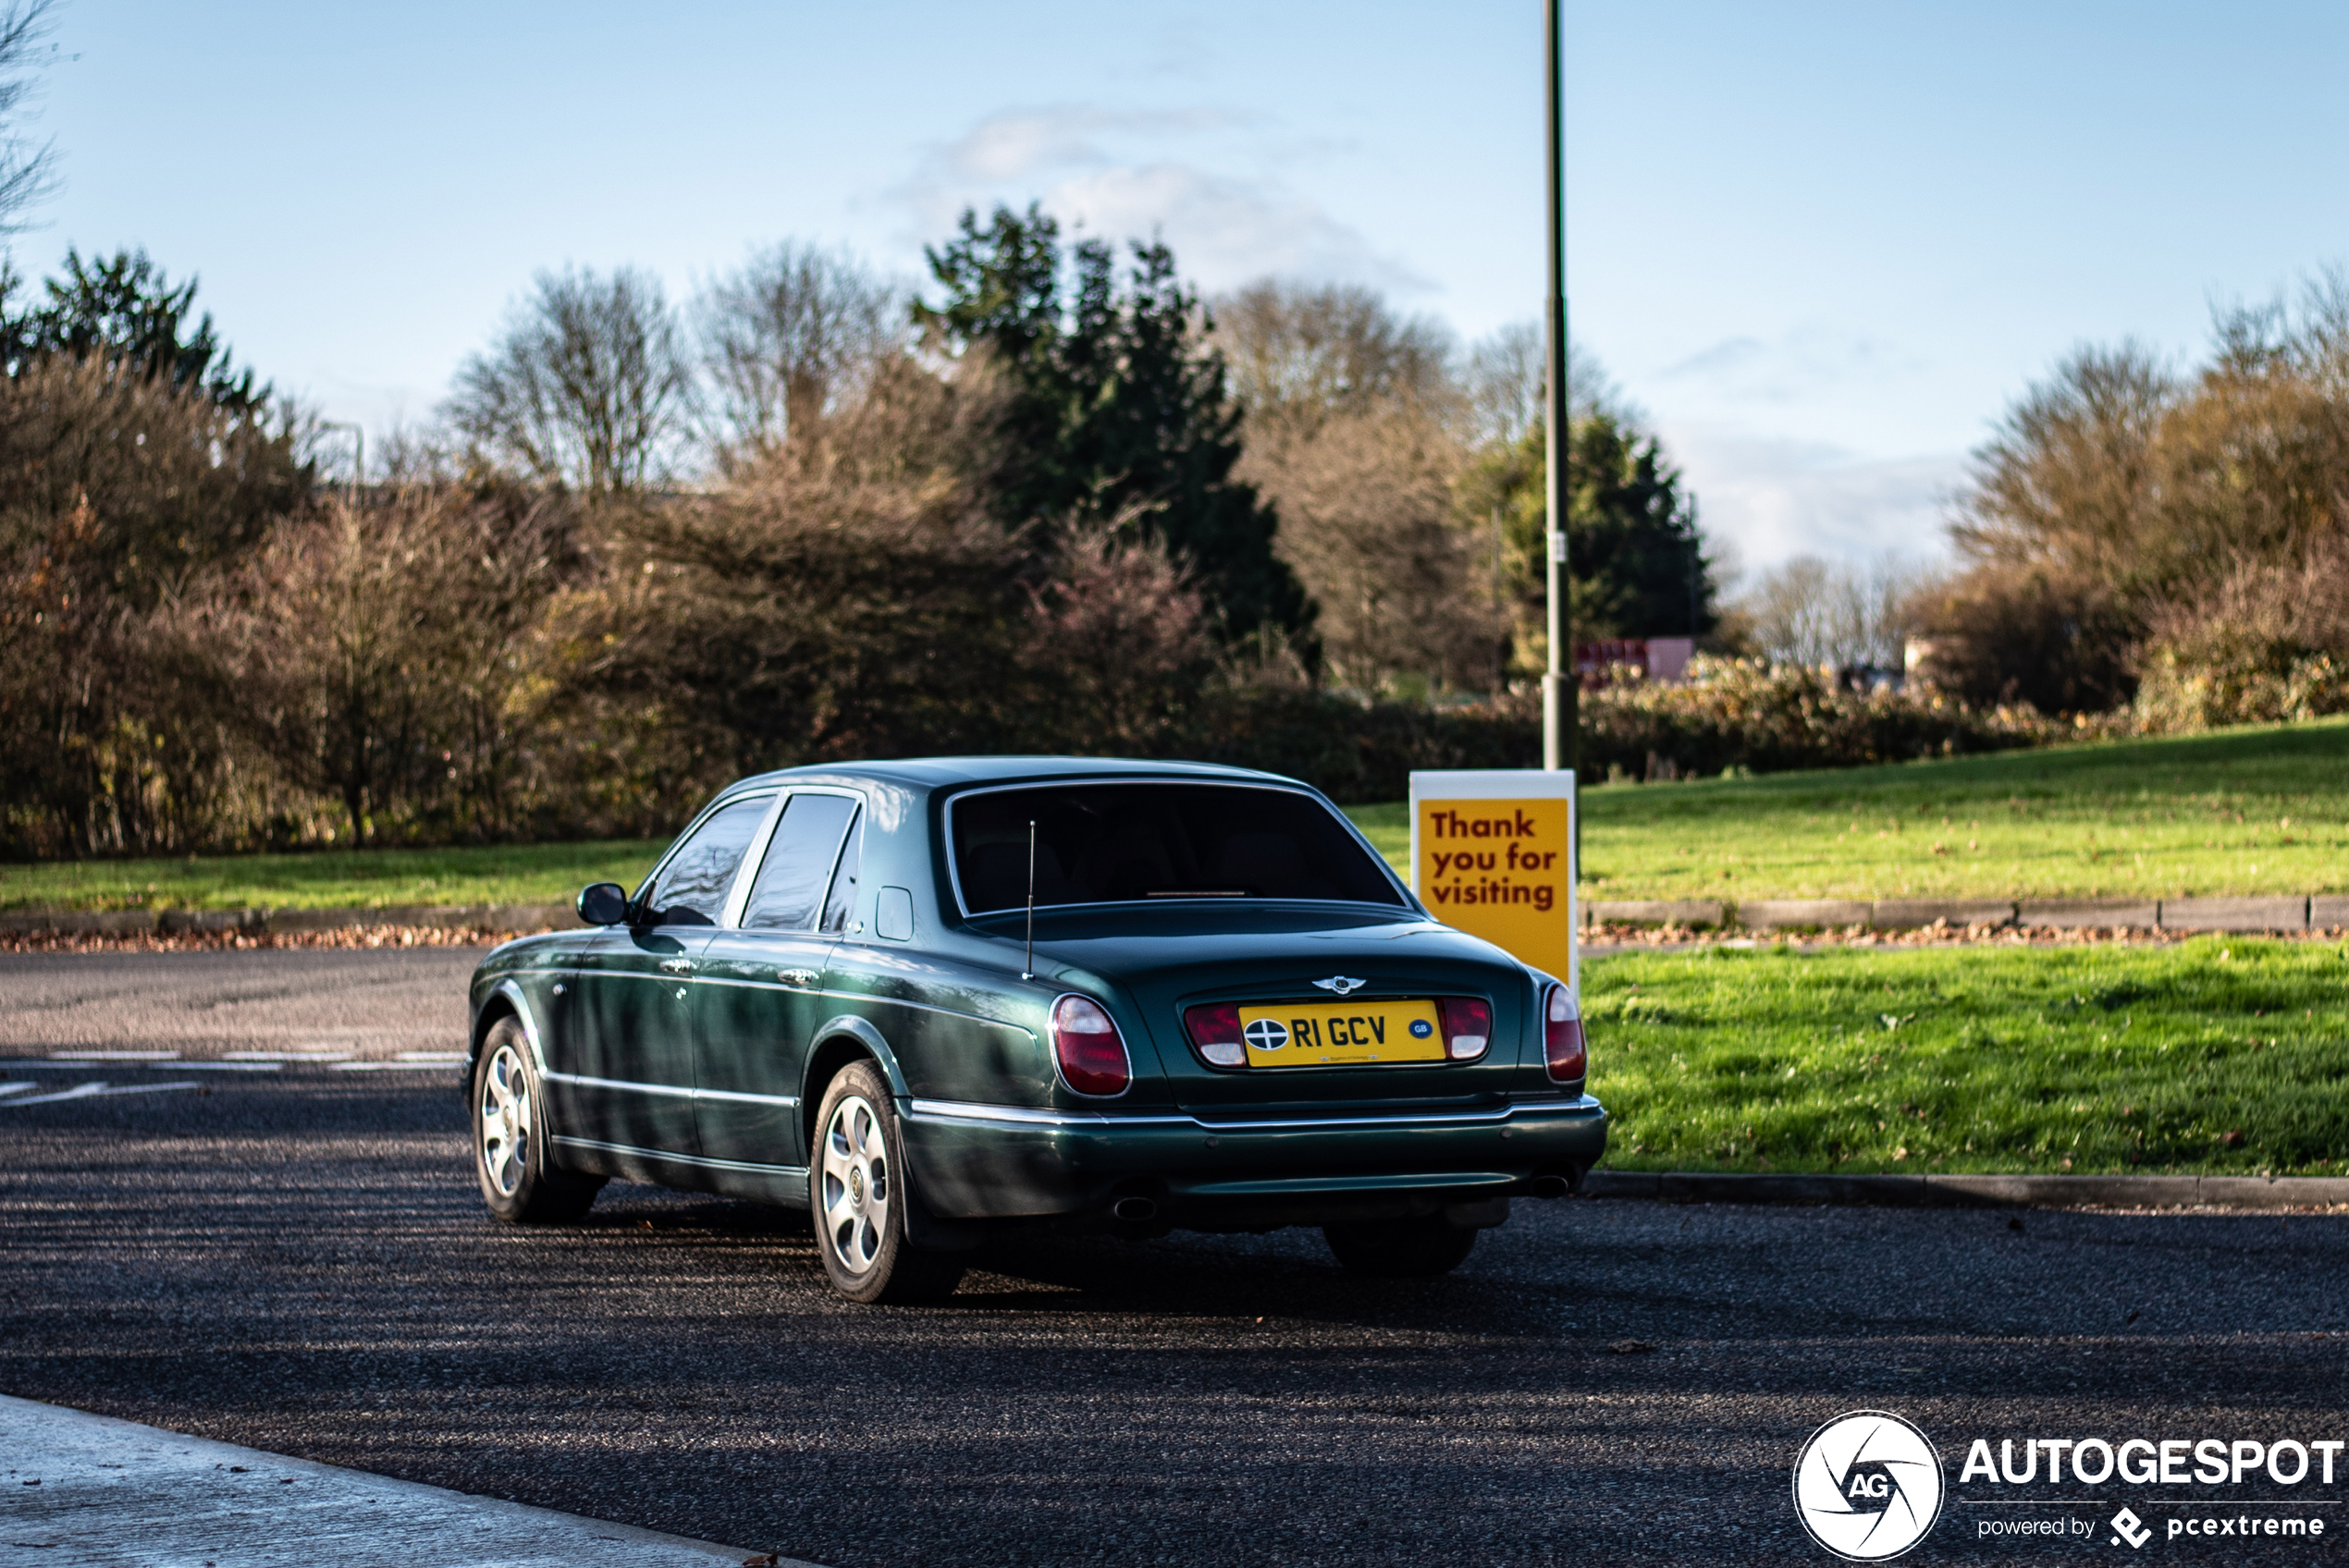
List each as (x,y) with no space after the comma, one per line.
(1488,1118)
(1024,1116)
(737,1098)
(671,1158)
(1101,1121)
(587,1083)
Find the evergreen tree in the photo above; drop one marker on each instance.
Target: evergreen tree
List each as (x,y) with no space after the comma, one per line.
(1632,549)
(122,310)
(1118,408)
(1635,561)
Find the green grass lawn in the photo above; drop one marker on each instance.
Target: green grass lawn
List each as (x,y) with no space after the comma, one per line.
(2214,1054)
(2260,810)
(524,873)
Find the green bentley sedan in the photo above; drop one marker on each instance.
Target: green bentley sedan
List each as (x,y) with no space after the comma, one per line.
(934,1001)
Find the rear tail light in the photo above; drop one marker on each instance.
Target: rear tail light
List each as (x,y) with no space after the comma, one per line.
(1562,1036)
(1092,1056)
(1468,1026)
(1215,1030)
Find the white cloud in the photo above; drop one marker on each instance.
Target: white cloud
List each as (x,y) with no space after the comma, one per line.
(1114,173)
(1225,231)
(1772,498)
(1801,364)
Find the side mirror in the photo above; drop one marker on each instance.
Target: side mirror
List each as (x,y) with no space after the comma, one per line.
(603,903)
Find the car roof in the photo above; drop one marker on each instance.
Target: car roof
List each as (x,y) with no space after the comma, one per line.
(947,772)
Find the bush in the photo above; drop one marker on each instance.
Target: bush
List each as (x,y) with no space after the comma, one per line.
(117,493)
(2269,643)
(1353,751)
(1745,714)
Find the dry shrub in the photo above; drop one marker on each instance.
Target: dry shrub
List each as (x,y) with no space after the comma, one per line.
(2009,632)
(1121,635)
(116,494)
(1747,714)
(2269,642)
(391,658)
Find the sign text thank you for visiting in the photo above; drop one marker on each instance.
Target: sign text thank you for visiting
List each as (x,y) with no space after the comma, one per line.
(1493,853)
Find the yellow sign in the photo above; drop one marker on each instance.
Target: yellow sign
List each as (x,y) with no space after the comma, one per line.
(1493,853)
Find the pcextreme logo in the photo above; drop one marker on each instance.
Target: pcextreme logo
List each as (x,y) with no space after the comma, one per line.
(1867,1486)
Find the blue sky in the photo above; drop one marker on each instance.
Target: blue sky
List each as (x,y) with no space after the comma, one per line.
(1821,245)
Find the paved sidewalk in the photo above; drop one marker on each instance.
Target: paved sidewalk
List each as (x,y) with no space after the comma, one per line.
(80,1489)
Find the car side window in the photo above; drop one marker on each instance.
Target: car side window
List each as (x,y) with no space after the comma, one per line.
(841,901)
(790,887)
(692,887)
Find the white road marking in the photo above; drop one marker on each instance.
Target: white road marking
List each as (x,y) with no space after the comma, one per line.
(16,1088)
(114,1056)
(91,1091)
(114,1492)
(440,1059)
(396,1066)
(287,1056)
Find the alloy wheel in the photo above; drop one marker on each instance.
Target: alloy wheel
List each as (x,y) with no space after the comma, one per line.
(855,1184)
(505,1121)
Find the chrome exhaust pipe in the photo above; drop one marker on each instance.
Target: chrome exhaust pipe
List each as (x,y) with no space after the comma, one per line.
(1134,1210)
(1550,1186)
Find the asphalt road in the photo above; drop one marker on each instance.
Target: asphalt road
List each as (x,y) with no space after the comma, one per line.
(295,1258)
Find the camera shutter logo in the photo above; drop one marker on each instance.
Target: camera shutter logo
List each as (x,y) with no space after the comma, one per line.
(1868,1486)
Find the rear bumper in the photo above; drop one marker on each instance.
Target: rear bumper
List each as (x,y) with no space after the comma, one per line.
(987,1162)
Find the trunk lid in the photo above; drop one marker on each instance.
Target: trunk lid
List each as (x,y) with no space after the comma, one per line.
(1167,960)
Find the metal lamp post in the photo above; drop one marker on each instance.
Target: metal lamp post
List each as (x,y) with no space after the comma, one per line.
(1560,720)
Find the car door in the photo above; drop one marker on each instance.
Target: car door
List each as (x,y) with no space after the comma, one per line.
(629,1081)
(758,997)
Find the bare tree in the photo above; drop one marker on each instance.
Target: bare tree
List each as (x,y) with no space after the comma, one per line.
(1504,380)
(587,385)
(28,168)
(787,335)
(1365,502)
(1301,353)
(1810,611)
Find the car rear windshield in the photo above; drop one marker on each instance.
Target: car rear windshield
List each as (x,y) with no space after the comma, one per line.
(1112,843)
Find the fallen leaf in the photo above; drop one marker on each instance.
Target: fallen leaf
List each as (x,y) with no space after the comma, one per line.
(1630,1347)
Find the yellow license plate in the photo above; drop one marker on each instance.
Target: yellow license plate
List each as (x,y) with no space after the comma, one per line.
(1319,1034)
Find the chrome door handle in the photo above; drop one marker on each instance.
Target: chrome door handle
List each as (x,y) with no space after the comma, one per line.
(678,965)
(796,976)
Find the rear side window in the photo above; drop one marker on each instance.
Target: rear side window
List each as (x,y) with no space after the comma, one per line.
(799,863)
(841,901)
(692,887)
(1112,843)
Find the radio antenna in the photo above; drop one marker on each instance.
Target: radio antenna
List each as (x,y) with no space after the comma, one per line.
(1028,968)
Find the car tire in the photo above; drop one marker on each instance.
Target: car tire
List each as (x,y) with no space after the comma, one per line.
(857,1196)
(1400,1249)
(510,1153)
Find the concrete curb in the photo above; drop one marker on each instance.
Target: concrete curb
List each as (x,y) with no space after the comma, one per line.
(1975,1192)
(117,1492)
(2282,913)
(281,922)
(2297,913)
